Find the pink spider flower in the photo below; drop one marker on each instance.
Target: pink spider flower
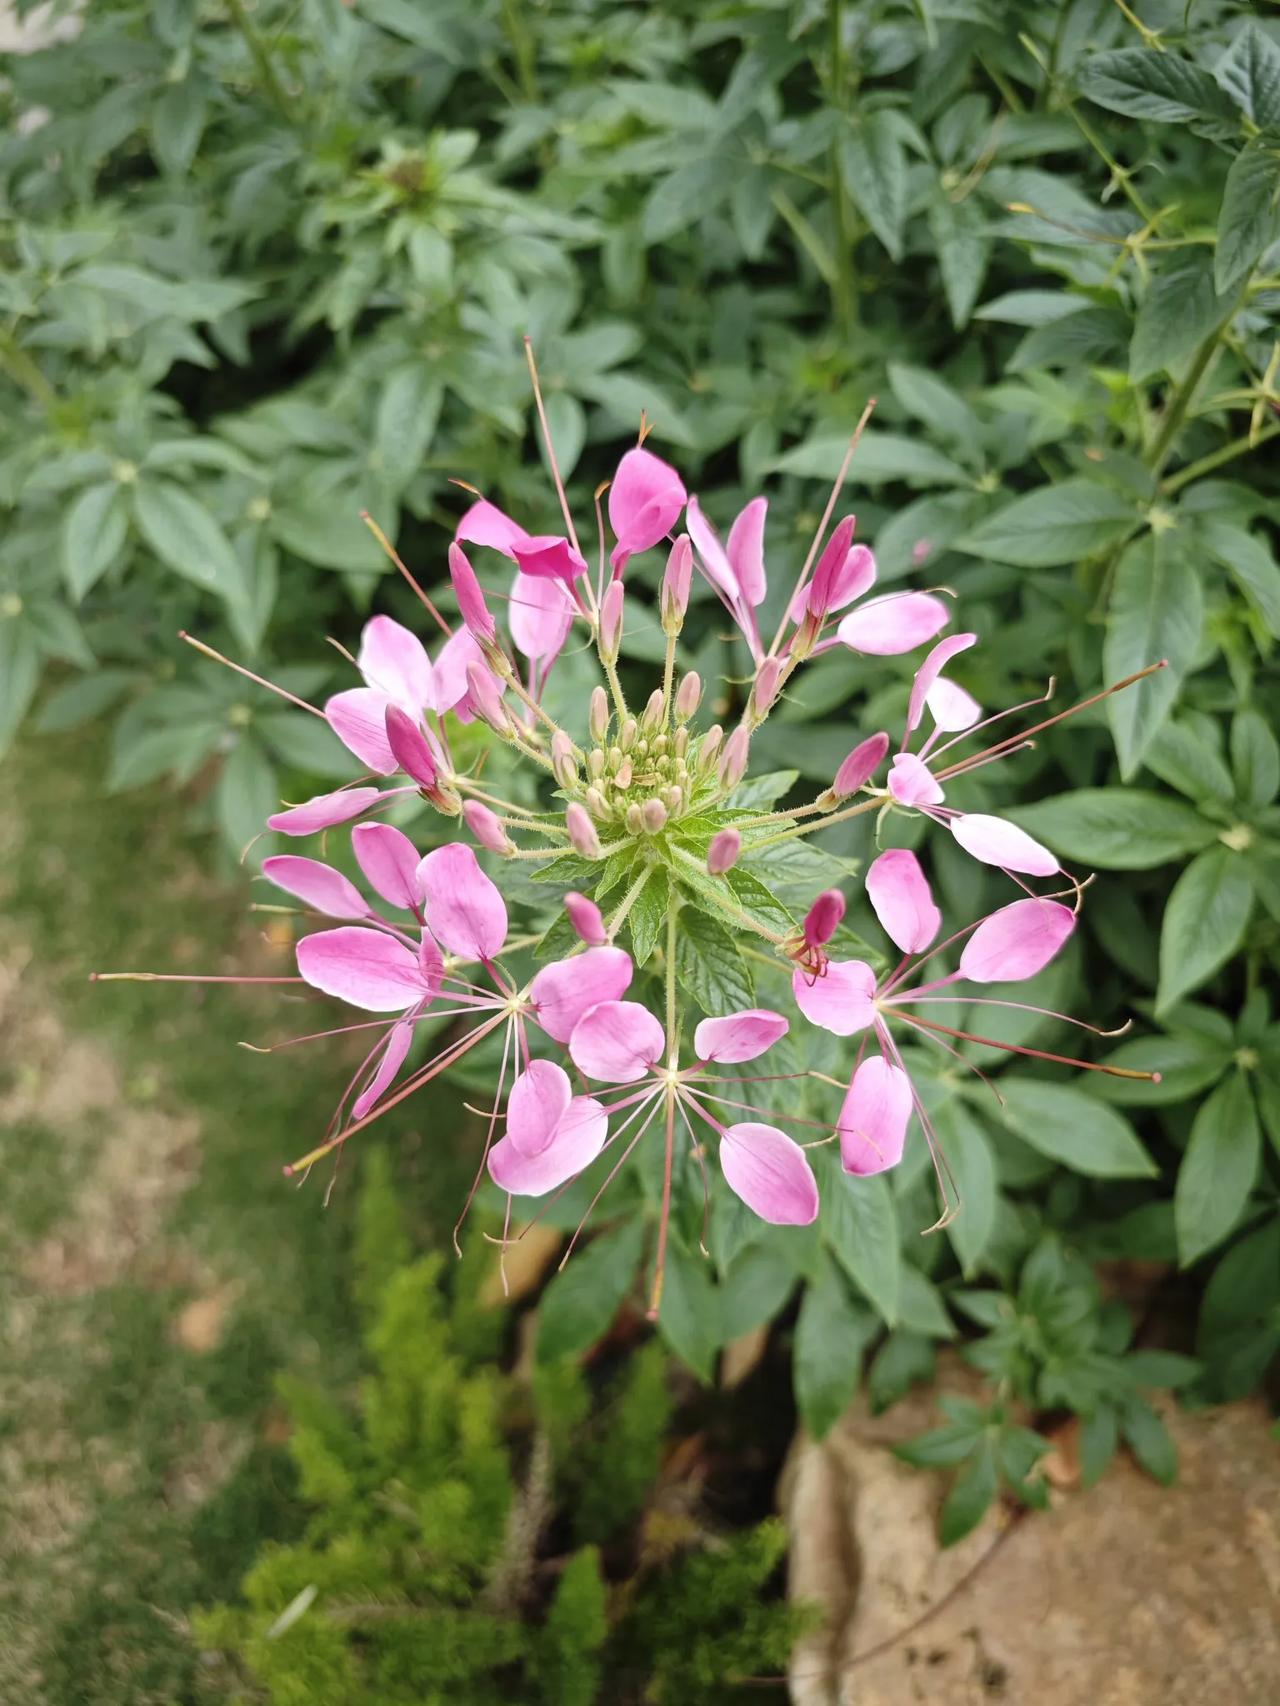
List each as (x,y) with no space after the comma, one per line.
(542,605)
(846,998)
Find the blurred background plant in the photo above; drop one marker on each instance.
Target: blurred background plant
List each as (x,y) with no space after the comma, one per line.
(267,267)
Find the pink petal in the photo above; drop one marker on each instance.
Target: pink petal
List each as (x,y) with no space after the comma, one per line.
(390,861)
(586,919)
(410,748)
(471,601)
(911,782)
(579,1138)
(770,1173)
(739,1036)
(899,891)
(394,662)
(365,967)
(1016,942)
(861,764)
(617,1041)
(547,554)
(393,1054)
(715,559)
(830,567)
(464,910)
(485,524)
(539,1100)
(856,576)
(823,918)
(746,551)
(997,842)
(459,650)
(931,669)
(540,615)
(874,1118)
(325,810)
(645,501)
(318,885)
(359,719)
(951,708)
(898,622)
(842,1000)
(563,991)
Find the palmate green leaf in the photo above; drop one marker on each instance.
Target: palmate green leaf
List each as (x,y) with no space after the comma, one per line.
(1142,83)
(1156,611)
(583,1298)
(1204,922)
(1073,1128)
(1117,829)
(1247,222)
(970,1496)
(1249,559)
(967,1149)
(875,173)
(710,965)
(937,407)
(1178,312)
(408,410)
(19,675)
(177,122)
(689,1319)
(648,916)
(881,456)
(860,1226)
(1249,74)
(1255,758)
(186,538)
(832,1334)
(682,197)
(1057,524)
(92,534)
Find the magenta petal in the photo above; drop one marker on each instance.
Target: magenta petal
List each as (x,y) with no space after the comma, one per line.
(578,1139)
(617,1042)
(898,622)
(390,861)
(392,1060)
(394,662)
(770,1173)
(899,891)
(856,576)
(365,967)
(458,651)
(931,669)
(951,708)
(539,1100)
(485,524)
(912,783)
(645,501)
(996,841)
(324,811)
(861,764)
(823,918)
(540,615)
(830,567)
(318,885)
(746,551)
(714,558)
(1016,942)
(359,719)
(548,555)
(563,991)
(842,1000)
(465,911)
(874,1118)
(739,1036)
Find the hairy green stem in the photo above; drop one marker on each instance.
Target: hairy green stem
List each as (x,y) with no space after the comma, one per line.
(261,57)
(874,804)
(1215,459)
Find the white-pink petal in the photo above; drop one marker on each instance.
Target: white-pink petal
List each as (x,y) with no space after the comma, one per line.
(319,885)
(770,1172)
(578,1139)
(951,708)
(394,661)
(898,622)
(452,660)
(746,551)
(617,1042)
(739,1036)
(563,991)
(538,1101)
(842,1000)
(1016,942)
(325,810)
(465,912)
(485,524)
(368,968)
(900,894)
(540,614)
(390,862)
(912,783)
(397,1047)
(874,1118)
(714,558)
(996,841)
(358,717)
(929,671)
(645,501)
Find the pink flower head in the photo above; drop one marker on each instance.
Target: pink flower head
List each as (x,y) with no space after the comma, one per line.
(397,674)
(645,501)
(882,627)
(485,524)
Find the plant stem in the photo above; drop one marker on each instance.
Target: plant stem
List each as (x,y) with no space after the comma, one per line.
(1216,458)
(261,57)
(823,823)
(673,1029)
(730,908)
(628,901)
(24,372)
(615,687)
(1176,413)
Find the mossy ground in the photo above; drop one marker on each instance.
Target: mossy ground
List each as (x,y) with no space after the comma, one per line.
(155,1269)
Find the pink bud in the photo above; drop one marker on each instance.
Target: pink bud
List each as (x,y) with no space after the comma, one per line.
(722,854)
(611,621)
(823,918)
(409,748)
(486,700)
(486,827)
(860,766)
(733,760)
(563,761)
(765,690)
(688,696)
(586,918)
(598,714)
(582,832)
(676,583)
(472,608)
(654,814)
(823,587)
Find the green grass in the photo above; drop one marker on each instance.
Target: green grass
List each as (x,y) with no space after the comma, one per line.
(140,1156)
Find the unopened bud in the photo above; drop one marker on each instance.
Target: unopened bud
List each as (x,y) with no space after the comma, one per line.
(614,761)
(823,918)
(825,588)
(627,734)
(611,621)
(485,696)
(688,696)
(486,827)
(675,585)
(722,855)
(563,759)
(475,613)
(635,820)
(710,748)
(595,763)
(655,816)
(652,717)
(733,760)
(765,690)
(409,748)
(658,746)
(595,802)
(860,766)
(673,798)
(680,742)
(598,714)
(582,832)
(587,919)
